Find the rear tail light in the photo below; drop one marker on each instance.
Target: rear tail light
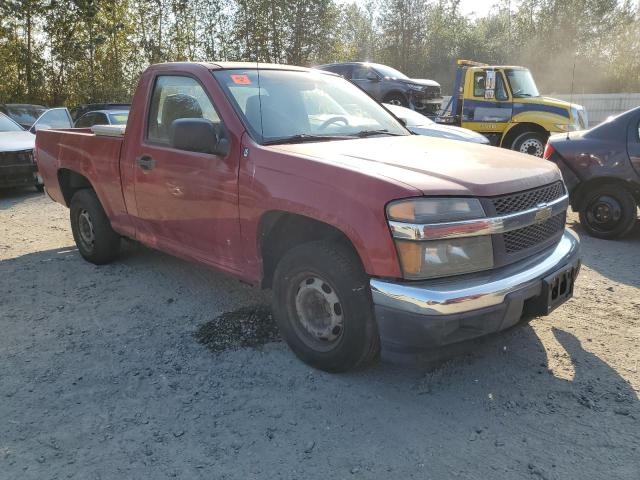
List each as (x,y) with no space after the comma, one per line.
(548,151)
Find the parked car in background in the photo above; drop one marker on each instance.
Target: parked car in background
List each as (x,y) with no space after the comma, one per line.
(102,117)
(80,110)
(601,168)
(367,234)
(24,114)
(17,165)
(388,85)
(421,125)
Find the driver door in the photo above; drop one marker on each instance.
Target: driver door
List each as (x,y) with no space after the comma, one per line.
(187,202)
(489,108)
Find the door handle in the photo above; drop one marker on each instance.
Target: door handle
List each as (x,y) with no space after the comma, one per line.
(145,162)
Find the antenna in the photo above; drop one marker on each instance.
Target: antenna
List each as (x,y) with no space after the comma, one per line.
(259,98)
(573,76)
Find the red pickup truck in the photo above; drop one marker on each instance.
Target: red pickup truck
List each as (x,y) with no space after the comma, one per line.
(296,180)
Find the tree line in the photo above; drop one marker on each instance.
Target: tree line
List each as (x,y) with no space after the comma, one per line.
(66,52)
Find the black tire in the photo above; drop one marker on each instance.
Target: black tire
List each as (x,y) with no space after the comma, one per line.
(531,143)
(396,98)
(97,242)
(337,268)
(608,212)
(39,187)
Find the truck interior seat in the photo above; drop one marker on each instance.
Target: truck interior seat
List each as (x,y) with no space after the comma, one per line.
(178,106)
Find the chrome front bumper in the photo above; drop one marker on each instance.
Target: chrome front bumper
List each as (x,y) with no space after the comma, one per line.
(436,312)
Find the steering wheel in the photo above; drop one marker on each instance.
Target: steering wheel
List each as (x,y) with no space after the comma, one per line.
(331,120)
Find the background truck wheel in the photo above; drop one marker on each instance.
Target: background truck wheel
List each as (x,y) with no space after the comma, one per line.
(608,212)
(396,99)
(92,232)
(531,143)
(322,304)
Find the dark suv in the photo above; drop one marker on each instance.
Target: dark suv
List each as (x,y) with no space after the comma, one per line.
(388,85)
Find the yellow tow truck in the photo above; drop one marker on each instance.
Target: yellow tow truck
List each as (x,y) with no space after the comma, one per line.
(503,103)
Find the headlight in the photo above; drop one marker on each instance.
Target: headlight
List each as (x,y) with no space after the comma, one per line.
(441,258)
(567,127)
(433,210)
(421,259)
(417,88)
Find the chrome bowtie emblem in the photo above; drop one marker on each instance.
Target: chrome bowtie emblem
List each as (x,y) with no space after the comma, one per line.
(544,212)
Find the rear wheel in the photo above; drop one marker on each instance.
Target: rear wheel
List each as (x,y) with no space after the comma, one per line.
(322,304)
(531,143)
(608,212)
(97,242)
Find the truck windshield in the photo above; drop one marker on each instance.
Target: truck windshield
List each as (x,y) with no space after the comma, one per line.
(522,83)
(283,106)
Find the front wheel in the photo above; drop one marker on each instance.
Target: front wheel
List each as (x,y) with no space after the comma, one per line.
(531,143)
(396,99)
(97,242)
(322,304)
(608,212)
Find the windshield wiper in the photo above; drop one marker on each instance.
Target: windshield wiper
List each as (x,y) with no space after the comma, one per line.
(369,133)
(303,137)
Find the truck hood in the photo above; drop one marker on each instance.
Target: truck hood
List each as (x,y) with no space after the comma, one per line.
(434,166)
(16,141)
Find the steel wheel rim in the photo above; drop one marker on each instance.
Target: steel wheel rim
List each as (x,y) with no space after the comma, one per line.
(532,146)
(85,229)
(604,213)
(319,313)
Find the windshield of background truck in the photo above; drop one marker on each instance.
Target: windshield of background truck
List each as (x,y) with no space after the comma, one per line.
(522,83)
(6,125)
(293,103)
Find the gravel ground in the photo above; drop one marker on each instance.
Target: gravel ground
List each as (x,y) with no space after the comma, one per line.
(105,374)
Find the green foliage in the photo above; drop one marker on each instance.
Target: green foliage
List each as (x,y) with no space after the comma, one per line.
(75,51)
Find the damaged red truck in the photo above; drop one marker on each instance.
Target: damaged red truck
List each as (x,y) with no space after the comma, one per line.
(295,180)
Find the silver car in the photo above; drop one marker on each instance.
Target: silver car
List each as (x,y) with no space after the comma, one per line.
(421,125)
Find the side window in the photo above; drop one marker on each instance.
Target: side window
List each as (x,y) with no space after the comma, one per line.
(360,72)
(101,119)
(83,121)
(343,70)
(501,91)
(176,97)
(479,84)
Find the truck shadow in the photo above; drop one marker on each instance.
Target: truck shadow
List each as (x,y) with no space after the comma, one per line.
(623,267)
(10,197)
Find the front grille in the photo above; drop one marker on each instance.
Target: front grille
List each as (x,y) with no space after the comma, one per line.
(518,202)
(23,157)
(533,235)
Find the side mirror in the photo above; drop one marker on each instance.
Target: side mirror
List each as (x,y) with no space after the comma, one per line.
(372,77)
(197,135)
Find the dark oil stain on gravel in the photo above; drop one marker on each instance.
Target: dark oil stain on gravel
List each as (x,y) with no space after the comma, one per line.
(246,327)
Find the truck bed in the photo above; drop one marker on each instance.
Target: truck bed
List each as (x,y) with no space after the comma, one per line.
(95,157)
